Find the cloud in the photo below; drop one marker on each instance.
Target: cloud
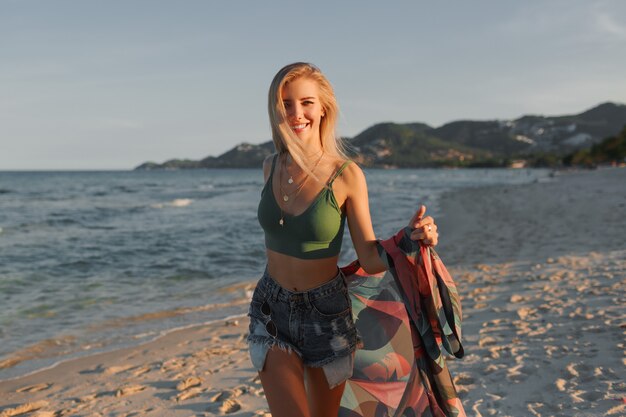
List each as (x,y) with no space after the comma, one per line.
(567,23)
(605,23)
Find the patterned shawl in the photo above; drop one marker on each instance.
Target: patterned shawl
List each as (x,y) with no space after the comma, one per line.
(405,317)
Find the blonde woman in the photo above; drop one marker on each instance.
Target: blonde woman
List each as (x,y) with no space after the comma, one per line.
(302,337)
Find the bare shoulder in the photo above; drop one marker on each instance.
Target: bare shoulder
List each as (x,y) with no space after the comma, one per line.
(352,175)
(350,183)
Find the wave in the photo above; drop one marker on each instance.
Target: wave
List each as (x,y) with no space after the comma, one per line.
(43,349)
(179,202)
(5,191)
(124,189)
(89,350)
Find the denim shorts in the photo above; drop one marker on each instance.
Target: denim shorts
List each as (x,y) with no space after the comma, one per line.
(315,324)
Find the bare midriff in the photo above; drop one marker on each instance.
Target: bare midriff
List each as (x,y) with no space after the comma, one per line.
(297,274)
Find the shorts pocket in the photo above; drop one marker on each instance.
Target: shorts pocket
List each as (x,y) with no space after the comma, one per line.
(258,297)
(332,305)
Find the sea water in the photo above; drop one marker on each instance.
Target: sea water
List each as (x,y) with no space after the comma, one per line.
(93,261)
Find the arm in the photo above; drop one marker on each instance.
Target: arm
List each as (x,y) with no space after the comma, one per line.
(360,222)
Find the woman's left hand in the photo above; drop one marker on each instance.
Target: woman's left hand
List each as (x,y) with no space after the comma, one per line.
(424,228)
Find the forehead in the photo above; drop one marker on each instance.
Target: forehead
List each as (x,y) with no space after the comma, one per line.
(300,88)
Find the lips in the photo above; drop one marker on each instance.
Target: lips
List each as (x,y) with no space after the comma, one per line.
(299,127)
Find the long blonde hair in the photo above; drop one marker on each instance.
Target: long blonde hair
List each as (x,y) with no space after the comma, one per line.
(285,140)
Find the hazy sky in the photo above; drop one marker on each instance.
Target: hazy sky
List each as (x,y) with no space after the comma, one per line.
(111,84)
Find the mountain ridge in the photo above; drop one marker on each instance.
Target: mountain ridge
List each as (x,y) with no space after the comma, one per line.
(458,143)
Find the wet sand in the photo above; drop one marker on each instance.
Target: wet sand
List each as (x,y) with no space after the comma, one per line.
(541,269)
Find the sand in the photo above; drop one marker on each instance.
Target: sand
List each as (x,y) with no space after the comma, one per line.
(541,269)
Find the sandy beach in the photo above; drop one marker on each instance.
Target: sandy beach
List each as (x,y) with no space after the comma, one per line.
(541,269)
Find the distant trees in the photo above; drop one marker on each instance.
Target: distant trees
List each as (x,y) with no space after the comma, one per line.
(610,150)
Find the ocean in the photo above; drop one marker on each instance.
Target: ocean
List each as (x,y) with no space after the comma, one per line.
(94,261)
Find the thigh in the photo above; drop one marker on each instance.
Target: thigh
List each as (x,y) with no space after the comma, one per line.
(323,401)
(283,383)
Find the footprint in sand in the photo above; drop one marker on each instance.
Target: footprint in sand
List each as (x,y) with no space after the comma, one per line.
(226,394)
(141,370)
(188,383)
(34,388)
(520,372)
(617,410)
(86,398)
(23,409)
(225,401)
(230,406)
(578,370)
(98,369)
(533,407)
(129,390)
(560,384)
(487,341)
(46,414)
(491,368)
(171,365)
(575,395)
(112,370)
(189,393)
(464,378)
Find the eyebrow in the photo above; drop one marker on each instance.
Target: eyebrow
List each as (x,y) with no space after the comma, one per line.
(303,98)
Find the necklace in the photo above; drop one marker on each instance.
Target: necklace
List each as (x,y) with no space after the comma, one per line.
(281,221)
(290,179)
(286,195)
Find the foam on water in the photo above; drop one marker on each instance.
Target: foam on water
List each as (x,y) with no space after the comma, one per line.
(90,265)
(179,202)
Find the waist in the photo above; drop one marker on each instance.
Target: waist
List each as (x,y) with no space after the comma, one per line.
(269,286)
(300,274)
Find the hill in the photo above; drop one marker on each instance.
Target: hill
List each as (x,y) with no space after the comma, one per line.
(533,139)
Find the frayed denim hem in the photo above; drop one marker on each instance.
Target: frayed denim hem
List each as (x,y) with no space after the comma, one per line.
(259,345)
(337,370)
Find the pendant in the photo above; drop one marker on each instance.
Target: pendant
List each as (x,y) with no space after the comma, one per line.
(281,222)
(285,198)
(290,180)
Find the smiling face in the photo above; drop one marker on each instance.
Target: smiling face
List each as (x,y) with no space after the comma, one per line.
(303,109)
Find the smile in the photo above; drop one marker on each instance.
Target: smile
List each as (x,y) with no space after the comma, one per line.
(299,127)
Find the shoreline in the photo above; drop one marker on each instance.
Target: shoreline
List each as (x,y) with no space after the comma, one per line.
(161,334)
(549,321)
(587,204)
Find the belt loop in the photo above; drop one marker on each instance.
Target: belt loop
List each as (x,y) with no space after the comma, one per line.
(307,300)
(275,291)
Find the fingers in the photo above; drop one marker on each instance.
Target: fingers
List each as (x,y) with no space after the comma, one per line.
(425,229)
(426,236)
(417,216)
(426,221)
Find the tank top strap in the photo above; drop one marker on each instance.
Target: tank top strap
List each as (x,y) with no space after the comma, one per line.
(273,165)
(345,164)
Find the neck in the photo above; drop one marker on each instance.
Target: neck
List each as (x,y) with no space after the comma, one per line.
(309,157)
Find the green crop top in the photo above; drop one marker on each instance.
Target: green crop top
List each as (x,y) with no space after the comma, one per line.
(314,234)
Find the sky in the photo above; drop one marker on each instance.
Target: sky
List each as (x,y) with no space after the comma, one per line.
(112,84)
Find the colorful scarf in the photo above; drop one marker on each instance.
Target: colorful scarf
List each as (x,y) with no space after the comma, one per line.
(405,317)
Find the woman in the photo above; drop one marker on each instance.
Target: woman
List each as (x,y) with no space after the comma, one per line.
(302,337)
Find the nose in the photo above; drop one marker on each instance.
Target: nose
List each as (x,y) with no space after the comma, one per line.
(295,111)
